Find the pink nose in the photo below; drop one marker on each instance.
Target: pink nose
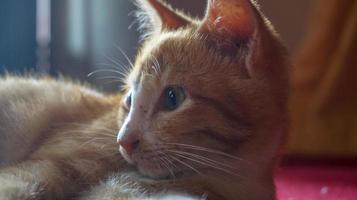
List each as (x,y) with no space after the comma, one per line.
(129,143)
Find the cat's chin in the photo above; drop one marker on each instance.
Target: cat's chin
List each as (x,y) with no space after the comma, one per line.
(153,173)
(157,173)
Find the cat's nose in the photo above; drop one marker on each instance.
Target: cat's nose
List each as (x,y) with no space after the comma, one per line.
(129,143)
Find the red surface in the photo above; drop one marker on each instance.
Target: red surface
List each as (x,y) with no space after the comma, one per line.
(317,182)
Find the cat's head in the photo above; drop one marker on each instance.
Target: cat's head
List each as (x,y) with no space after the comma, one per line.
(205,96)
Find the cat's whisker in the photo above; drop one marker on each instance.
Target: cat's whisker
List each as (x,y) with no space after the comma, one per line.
(119,68)
(184,163)
(166,157)
(109,77)
(126,56)
(110,66)
(203,158)
(167,163)
(135,21)
(166,166)
(105,71)
(115,62)
(206,164)
(188,146)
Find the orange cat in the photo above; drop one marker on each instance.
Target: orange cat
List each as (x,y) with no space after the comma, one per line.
(204,114)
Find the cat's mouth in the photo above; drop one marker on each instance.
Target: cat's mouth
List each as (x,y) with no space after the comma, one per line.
(156,168)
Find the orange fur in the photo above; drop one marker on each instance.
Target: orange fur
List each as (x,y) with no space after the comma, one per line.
(222,141)
(55,134)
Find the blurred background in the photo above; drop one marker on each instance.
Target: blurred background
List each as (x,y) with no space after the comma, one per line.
(76,37)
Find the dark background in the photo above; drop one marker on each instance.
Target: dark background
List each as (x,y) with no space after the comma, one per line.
(86,35)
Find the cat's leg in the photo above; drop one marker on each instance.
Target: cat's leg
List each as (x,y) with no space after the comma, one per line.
(30,180)
(19,128)
(49,179)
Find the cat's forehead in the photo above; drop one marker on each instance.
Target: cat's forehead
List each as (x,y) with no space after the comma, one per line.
(174,47)
(184,58)
(183,52)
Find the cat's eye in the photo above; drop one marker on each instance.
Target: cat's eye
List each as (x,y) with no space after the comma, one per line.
(172,97)
(127,100)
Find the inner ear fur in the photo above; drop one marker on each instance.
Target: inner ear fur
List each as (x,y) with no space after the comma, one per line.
(159,16)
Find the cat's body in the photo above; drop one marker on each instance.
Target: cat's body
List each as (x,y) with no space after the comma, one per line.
(204,114)
(55,134)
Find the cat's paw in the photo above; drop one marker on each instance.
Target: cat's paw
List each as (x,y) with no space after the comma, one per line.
(13,188)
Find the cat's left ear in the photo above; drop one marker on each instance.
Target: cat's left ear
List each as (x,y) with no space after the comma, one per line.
(157,16)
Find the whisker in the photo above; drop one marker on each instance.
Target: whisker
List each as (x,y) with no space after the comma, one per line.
(185,164)
(122,68)
(106,70)
(203,158)
(167,163)
(126,56)
(206,164)
(111,65)
(118,63)
(167,167)
(205,149)
(109,77)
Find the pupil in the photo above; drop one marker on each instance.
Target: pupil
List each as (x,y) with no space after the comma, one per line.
(172,97)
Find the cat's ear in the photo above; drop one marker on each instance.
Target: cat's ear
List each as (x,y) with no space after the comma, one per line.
(232,24)
(155,16)
(230,19)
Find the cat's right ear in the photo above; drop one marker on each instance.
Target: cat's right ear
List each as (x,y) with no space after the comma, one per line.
(233,20)
(235,25)
(156,16)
